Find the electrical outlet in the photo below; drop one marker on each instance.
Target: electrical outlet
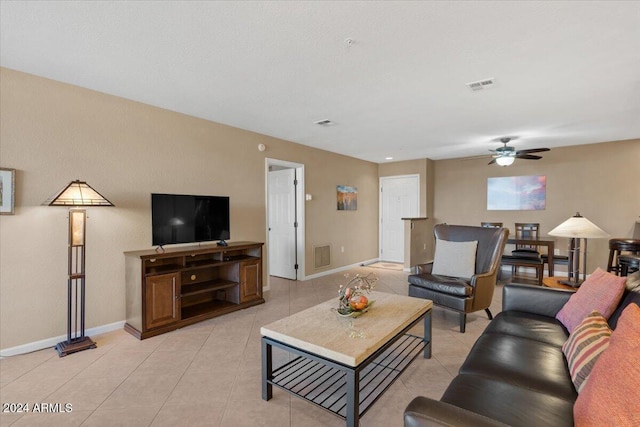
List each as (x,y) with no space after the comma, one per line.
(425,246)
(556,251)
(342,249)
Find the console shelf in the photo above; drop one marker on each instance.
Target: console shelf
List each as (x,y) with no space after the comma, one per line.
(206,287)
(184,285)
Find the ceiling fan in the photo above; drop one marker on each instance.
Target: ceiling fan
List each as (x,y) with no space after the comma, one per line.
(505,156)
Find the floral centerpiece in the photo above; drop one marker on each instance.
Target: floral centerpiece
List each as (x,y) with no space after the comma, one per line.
(351,295)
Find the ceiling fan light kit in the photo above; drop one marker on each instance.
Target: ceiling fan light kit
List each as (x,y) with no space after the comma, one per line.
(505,156)
(505,160)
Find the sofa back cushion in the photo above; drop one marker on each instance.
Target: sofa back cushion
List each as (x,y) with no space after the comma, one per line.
(601,291)
(611,394)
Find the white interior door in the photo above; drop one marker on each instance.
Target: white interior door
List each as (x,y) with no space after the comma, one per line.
(282,227)
(399,198)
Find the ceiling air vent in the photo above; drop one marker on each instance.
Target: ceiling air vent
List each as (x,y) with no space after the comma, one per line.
(325,122)
(482,84)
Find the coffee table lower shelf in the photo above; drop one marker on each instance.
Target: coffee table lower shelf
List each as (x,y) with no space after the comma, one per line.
(325,384)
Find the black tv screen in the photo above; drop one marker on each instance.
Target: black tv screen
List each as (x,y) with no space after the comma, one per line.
(177,218)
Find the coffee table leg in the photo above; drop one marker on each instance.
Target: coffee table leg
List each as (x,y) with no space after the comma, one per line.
(267,370)
(353,398)
(427,335)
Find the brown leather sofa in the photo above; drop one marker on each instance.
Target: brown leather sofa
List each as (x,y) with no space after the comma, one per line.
(460,294)
(516,373)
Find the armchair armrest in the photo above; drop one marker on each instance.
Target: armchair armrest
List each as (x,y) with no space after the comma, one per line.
(423,268)
(424,412)
(534,299)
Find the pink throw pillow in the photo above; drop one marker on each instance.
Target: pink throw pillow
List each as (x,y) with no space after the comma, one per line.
(611,393)
(601,291)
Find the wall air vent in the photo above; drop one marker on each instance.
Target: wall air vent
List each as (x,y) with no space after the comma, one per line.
(324,122)
(322,256)
(482,84)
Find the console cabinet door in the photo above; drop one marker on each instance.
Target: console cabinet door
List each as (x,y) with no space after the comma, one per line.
(250,280)
(162,300)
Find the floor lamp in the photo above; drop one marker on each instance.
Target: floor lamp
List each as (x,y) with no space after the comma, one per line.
(77,195)
(576,228)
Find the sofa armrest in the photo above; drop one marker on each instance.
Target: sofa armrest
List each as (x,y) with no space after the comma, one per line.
(534,299)
(423,412)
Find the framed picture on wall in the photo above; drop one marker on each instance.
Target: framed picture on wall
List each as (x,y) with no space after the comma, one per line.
(517,193)
(7,191)
(347,198)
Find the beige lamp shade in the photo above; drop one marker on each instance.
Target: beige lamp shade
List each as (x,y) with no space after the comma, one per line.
(579,227)
(77,193)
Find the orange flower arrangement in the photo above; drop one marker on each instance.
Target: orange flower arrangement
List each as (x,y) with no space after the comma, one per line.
(351,295)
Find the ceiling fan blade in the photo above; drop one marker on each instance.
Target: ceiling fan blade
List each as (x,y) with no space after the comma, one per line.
(492,162)
(482,156)
(527,156)
(533,150)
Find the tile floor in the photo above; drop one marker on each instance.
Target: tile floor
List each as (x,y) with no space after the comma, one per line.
(208,374)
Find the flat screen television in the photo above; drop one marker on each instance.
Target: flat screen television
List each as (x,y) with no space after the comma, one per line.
(177,218)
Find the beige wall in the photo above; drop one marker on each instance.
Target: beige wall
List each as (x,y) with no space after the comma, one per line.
(600,181)
(52,133)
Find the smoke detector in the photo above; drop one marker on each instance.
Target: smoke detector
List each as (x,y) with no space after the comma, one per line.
(482,84)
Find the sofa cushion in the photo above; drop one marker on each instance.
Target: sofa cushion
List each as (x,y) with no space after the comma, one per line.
(633,281)
(585,345)
(627,298)
(611,394)
(601,291)
(528,325)
(522,362)
(508,403)
(443,284)
(455,259)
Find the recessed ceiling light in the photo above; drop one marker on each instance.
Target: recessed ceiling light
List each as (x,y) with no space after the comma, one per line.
(325,122)
(388,158)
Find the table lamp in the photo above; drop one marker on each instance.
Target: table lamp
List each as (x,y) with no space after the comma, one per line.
(77,194)
(577,227)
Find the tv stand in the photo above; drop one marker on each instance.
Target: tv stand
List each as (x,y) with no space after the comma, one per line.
(222,243)
(185,285)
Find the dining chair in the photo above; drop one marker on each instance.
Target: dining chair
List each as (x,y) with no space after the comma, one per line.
(491,224)
(526,230)
(525,255)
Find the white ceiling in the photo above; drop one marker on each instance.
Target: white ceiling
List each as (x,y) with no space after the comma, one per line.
(566,72)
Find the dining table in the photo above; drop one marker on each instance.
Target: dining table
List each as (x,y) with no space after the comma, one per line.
(548,242)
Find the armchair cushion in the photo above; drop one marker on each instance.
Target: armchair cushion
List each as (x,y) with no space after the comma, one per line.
(455,259)
(443,284)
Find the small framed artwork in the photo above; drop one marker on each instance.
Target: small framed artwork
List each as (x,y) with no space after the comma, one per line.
(7,191)
(347,198)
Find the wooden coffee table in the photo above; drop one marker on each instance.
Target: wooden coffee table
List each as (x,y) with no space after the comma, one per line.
(344,364)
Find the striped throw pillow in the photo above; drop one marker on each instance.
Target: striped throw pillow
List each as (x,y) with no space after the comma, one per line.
(585,344)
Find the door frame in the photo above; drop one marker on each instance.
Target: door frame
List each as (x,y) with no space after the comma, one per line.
(384,178)
(300,214)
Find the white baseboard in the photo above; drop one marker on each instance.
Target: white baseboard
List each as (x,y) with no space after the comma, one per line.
(339,269)
(51,342)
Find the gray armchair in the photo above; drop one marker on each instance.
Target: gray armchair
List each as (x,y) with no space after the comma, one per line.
(463,294)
